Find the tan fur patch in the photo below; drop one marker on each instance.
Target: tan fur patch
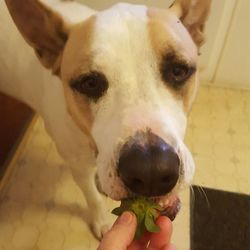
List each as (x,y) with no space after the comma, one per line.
(76,61)
(188,93)
(164,40)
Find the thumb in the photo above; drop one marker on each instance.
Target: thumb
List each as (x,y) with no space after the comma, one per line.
(121,234)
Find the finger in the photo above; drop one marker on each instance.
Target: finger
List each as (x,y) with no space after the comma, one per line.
(135,246)
(146,237)
(169,247)
(121,234)
(161,239)
(156,241)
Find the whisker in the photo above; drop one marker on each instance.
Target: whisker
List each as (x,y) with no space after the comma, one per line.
(192,194)
(203,193)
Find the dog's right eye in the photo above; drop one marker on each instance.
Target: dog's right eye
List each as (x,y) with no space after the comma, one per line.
(176,72)
(93,85)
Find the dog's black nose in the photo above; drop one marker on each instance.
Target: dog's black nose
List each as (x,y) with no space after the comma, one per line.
(148,166)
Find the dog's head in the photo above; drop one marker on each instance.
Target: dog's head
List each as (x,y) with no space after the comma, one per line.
(130,76)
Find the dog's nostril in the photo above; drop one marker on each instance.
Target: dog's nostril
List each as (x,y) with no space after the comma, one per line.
(166,179)
(137,183)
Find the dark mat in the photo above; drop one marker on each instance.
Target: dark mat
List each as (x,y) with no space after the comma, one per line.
(14,119)
(223,224)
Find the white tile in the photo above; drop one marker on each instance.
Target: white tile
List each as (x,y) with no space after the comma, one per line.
(51,239)
(25,237)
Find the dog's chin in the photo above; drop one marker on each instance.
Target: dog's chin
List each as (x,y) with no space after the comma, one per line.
(170,204)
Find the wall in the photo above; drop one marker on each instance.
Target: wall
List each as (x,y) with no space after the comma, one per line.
(234,65)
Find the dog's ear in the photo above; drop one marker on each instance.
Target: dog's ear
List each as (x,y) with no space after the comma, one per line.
(42,28)
(193,14)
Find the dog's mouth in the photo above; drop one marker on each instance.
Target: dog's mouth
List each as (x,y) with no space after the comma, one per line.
(170,204)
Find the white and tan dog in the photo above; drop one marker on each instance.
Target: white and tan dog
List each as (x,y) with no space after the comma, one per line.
(124,81)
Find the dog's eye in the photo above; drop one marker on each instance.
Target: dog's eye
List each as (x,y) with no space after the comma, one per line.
(175,72)
(180,73)
(93,85)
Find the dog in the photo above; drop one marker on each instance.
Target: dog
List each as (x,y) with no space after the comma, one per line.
(114,91)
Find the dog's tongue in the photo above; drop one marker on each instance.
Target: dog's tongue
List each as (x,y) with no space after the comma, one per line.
(171,205)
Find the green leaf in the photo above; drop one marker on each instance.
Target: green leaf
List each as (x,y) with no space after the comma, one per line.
(150,224)
(117,211)
(139,230)
(155,213)
(146,213)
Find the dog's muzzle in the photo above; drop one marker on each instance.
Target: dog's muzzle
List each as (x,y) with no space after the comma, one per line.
(148,166)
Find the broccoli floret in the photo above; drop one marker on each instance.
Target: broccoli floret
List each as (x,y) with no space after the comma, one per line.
(146,213)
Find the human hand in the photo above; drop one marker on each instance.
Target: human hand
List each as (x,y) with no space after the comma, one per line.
(121,235)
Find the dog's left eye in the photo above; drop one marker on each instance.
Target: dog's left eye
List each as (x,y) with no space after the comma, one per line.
(93,85)
(179,73)
(175,72)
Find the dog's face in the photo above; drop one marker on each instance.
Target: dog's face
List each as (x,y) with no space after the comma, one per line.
(136,74)
(130,76)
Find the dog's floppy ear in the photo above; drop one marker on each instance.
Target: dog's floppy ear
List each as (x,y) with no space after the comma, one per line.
(42,28)
(193,14)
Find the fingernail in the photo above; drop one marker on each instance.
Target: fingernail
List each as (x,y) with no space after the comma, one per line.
(125,218)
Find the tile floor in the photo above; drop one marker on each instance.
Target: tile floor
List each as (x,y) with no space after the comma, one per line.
(42,208)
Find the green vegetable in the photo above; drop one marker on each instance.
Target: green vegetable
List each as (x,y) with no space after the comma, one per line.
(146,213)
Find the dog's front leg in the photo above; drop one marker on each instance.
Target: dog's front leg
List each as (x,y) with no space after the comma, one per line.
(85,178)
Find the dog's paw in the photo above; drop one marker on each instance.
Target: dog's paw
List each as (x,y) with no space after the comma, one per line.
(101,220)
(99,228)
